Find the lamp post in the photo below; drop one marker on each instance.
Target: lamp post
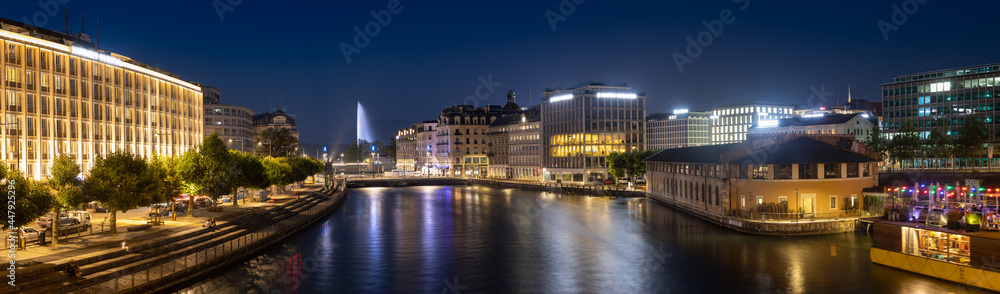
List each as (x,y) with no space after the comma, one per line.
(797,201)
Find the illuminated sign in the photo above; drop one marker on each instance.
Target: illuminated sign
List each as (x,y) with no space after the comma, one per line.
(768,123)
(561,98)
(680,111)
(617,95)
(97,56)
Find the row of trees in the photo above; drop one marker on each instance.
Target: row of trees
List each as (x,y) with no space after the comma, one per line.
(121,181)
(907,145)
(628,163)
(361,148)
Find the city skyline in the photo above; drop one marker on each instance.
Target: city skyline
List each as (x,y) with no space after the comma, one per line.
(769,53)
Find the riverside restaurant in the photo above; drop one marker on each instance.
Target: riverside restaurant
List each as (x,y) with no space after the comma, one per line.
(957,241)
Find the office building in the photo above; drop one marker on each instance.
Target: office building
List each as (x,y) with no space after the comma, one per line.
(64,95)
(582,124)
(857,125)
(233,123)
(942,99)
(415,148)
(681,128)
(730,123)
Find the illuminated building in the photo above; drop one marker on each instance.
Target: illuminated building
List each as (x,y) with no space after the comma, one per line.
(64,95)
(682,128)
(277,119)
(942,99)
(233,123)
(730,123)
(514,146)
(462,139)
(857,125)
(415,148)
(821,176)
(584,123)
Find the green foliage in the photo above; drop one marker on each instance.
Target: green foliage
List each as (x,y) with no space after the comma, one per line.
(121,181)
(279,171)
(31,199)
(166,169)
(905,143)
(938,144)
(210,167)
(68,194)
(304,167)
(972,138)
(248,172)
(358,151)
(275,142)
(877,142)
(629,163)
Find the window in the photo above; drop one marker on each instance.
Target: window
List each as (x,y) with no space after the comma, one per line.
(807,171)
(951,248)
(760,201)
(783,171)
(866,170)
(831,170)
(760,171)
(833,201)
(852,170)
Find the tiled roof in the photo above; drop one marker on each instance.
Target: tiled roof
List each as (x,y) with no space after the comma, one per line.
(802,150)
(700,154)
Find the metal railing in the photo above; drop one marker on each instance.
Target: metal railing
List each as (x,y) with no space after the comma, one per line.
(208,257)
(798,216)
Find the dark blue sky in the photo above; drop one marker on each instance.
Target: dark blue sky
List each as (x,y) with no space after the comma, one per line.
(432,53)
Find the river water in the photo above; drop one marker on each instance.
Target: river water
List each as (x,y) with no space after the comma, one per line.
(464,239)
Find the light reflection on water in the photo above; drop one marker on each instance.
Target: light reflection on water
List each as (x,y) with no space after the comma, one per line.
(464,239)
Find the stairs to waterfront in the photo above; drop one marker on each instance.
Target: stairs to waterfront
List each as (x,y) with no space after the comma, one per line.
(108,264)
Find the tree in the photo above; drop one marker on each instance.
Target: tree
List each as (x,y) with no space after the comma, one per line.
(275,142)
(249,172)
(629,163)
(971,139)
(616,164)
(279,171)
(171,184)
(68,194)
(210,168)
(877,142)
(938,144)
(905,143)
(358,151)
(30,199)
(121,181)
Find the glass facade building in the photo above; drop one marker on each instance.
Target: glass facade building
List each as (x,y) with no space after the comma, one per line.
(678,129)
(582,124)
(942,99)
(731,123)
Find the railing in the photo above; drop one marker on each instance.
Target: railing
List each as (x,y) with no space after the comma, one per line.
(801,216)
(208,257)
(943,164)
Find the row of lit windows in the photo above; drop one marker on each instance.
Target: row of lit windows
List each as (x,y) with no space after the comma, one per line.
(752,109)
(943,86)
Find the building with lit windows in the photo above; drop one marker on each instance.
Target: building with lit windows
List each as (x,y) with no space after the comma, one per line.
(233,123)
(682,128)
(277,119)
(415,148)
(857,125)
(462,141)
(514,151)
(582,124)
(942,99)
(63,95)
(730,123)
(818,176)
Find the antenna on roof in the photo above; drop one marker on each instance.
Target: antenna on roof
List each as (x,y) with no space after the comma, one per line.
(67,19)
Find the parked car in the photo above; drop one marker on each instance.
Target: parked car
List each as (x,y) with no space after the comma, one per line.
(640,181)
(46,221)
(624,180)
(30,234)
(609,181)
(203,201)
(596,182)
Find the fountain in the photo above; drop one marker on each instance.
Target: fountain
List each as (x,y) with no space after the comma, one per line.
(364,128)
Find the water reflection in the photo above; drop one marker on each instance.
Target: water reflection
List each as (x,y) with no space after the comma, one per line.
(473,239)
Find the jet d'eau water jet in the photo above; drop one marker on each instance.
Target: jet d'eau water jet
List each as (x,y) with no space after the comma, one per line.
(364,126)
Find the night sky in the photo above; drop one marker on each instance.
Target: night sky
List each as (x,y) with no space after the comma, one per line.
(431,54)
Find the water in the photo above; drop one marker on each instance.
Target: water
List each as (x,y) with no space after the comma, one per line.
(475,239)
